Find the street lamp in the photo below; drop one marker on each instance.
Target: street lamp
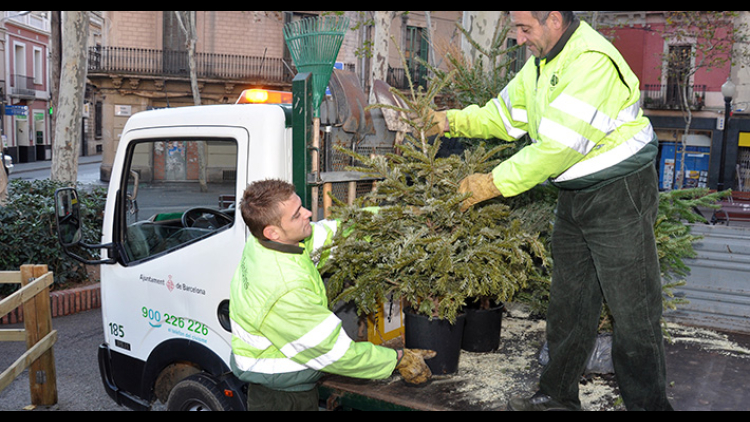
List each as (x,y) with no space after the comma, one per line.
(18,15)
(728,90)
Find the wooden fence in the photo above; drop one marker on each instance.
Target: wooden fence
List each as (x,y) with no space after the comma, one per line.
(37,332)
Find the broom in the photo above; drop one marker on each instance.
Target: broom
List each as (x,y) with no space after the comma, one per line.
(314,44)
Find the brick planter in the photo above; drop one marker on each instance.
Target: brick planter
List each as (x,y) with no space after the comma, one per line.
(64,302)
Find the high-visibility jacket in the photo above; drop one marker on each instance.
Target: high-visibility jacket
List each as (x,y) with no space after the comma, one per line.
(283,333)
(580,107)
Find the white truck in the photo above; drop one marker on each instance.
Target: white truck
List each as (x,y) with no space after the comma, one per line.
(169,249)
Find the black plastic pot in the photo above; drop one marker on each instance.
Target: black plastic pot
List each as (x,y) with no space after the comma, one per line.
(437,334)
(482,329)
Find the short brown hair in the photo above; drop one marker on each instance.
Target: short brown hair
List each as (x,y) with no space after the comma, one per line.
(260,204)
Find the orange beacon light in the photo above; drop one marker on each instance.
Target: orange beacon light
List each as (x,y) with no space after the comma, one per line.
(264,96)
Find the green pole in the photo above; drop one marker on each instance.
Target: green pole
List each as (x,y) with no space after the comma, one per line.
(301,135)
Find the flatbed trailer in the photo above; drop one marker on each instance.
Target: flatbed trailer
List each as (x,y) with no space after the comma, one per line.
(706,370)
(483,382)
(441,394)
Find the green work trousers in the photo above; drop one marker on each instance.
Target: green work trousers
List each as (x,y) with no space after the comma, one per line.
(604,250)
(260,398)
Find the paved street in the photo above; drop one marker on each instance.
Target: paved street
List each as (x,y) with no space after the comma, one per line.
(78,381)
(88,170)
(79,385)
(705,370)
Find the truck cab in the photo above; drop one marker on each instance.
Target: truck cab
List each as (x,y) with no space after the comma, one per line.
(172,244)
(171,236)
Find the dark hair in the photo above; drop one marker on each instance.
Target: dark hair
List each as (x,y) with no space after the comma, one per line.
(542,16)
(260,204)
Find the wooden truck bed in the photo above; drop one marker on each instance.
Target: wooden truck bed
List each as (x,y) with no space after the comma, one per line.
(484,381)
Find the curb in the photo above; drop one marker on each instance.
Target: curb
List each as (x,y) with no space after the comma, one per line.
(63,302)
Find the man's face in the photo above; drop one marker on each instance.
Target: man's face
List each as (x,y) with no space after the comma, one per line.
(540,38)
(295,222)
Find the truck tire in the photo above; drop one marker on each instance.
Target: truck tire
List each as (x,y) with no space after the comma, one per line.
(197,392)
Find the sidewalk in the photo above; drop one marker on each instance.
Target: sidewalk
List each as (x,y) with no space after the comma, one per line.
(42,165)
(64,302)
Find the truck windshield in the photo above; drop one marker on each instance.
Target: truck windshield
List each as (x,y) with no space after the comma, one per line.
(178,191)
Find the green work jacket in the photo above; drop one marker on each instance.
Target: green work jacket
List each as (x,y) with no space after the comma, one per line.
(283,334)
(580,107)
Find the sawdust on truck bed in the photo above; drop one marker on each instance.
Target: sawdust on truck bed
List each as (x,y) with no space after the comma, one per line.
(514,368)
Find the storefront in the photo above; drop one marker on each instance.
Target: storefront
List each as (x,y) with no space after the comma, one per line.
(26,136)
(689,158)
(743,162)
(701,152)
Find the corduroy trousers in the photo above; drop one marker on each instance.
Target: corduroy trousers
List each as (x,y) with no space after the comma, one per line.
(604,250)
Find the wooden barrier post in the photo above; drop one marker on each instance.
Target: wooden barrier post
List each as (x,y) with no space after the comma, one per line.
(327,201)
(37,319)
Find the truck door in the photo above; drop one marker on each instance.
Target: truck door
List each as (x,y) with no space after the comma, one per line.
(178,243)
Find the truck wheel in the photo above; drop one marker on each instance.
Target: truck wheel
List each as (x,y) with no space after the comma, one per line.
(197,392)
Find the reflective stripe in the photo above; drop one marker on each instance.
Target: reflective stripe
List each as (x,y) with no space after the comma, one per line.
(517,114)
(608,159)
(321,231)
(566,136)
(596,119)
(339,349)
(585,112)
(512,131)
(592,115)
(313,337)
(252,340)
(267,366)
(286,364)
(629,114)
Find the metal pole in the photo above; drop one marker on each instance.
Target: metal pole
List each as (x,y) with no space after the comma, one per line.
(722,164)
(301,135)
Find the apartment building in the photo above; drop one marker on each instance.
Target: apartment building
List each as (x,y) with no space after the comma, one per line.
(140,63)
(24,87)
(706,50)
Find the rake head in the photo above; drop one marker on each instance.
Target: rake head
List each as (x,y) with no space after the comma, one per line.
(314,44)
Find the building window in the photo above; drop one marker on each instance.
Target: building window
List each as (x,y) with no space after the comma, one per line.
(678,67)
(38,67)
(160,210)
(517,57)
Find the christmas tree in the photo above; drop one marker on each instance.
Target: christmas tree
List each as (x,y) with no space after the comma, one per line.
(417,245)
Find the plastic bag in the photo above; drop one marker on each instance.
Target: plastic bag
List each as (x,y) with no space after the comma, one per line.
(600,361)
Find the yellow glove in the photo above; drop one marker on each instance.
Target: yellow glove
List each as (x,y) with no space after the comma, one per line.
(412,366)
(481,186)
(439,122)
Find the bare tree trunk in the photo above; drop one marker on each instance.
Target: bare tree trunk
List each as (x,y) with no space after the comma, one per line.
(186,20)
(55,61)
(431,52)
(69,107)
(688,116)
(380,41)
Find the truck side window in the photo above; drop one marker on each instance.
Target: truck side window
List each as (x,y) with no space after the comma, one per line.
(178,191)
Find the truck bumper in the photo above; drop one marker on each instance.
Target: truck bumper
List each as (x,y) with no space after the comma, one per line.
(122,398)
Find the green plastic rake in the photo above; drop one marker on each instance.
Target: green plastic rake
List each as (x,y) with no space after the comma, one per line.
(314,44)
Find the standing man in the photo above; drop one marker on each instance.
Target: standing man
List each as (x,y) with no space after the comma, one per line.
(578,100)
(283,334)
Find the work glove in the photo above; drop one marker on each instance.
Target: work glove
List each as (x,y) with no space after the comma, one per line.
(481,186)
(412,365)
(439,121)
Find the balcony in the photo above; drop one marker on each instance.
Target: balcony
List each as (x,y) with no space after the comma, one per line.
(23,87)
(397,77)
(160,63)
(668,97)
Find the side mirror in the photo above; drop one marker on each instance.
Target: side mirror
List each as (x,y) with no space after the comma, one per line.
(69,233)
(67,212)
